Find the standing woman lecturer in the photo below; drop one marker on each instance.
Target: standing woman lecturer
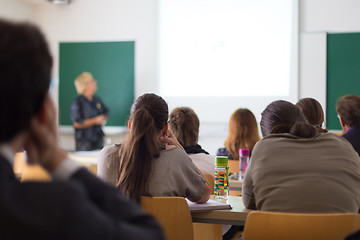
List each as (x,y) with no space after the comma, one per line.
(88,114)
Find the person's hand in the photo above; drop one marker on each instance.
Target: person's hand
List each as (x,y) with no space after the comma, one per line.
(100,119)
(170,139)
(41,144)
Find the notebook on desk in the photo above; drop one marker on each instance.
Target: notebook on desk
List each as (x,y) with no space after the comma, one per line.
(209,205)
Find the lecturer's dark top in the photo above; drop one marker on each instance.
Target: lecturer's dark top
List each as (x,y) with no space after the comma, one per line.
(90,138)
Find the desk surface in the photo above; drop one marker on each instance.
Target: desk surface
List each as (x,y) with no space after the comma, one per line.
(85,157)
(235,216)
(235,184)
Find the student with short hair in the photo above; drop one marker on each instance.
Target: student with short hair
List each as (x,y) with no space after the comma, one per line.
(313,113)
(243,133)
(76,205)
(348,109)
(151,161)
(184,123)
(295,169)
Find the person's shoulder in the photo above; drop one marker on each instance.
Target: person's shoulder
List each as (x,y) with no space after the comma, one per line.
(174,152)
(109,152)
(79,99)
(332,137)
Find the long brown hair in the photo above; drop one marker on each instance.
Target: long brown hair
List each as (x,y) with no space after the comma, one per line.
(284,117)
(148,116)
(184,123)
(313,113)
(243,132)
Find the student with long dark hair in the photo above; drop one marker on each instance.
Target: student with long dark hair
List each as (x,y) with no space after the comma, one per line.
(295,169)
(151,162)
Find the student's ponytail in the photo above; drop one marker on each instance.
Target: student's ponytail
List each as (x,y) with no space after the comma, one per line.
(303,130)
(148,117)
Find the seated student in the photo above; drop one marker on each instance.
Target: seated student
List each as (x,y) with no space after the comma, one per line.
(295,169)
(313,113)
(348,109)
(151,162)
(77,205)
(243,133)
(184,123)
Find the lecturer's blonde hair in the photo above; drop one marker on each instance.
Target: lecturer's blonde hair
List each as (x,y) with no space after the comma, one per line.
(81,82)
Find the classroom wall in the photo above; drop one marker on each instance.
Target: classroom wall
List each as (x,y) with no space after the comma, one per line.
(317,17)
(16,10)
(114,20)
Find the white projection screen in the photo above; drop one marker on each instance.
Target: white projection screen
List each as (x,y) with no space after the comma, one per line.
(217,56)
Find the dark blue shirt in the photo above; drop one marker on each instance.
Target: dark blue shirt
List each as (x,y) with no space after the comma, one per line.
(353,136)
(90,138)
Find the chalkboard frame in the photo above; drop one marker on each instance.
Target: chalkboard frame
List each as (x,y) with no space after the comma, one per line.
(343,72)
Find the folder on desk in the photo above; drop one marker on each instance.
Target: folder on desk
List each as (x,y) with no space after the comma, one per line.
(209,205)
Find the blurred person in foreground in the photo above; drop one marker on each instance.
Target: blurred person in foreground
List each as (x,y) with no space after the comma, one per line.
(76,205)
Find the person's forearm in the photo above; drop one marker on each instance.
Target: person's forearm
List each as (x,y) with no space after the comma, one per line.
(87,123)
(206,195)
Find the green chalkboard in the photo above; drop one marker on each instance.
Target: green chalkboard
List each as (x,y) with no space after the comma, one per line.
(343,72)
(111,64)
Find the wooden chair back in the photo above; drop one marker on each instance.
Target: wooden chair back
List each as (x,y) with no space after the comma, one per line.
(211,181)
(283,226)
(233,166)
(173,214)
(28,172)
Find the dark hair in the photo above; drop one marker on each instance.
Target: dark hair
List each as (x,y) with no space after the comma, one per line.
(284,117)
(313,113)
(184,123)
(148,116)
(348,108)
(25,71)
(243,132)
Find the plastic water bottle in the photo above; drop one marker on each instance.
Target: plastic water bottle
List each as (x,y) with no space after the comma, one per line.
(244,158)
(221,177)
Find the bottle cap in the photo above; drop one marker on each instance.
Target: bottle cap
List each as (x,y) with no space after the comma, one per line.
(221,161)
(244,151)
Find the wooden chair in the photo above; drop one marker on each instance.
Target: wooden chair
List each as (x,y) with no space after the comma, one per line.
(29,172)
(211,181)
(173,215)
(234,168)
(283,226)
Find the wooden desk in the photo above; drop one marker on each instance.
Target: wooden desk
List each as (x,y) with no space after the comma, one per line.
(235,216)
(87,159)
(235,185)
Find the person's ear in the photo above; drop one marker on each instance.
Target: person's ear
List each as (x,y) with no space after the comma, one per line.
(45,110)
(165,129)
(129,124)
(342,123)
